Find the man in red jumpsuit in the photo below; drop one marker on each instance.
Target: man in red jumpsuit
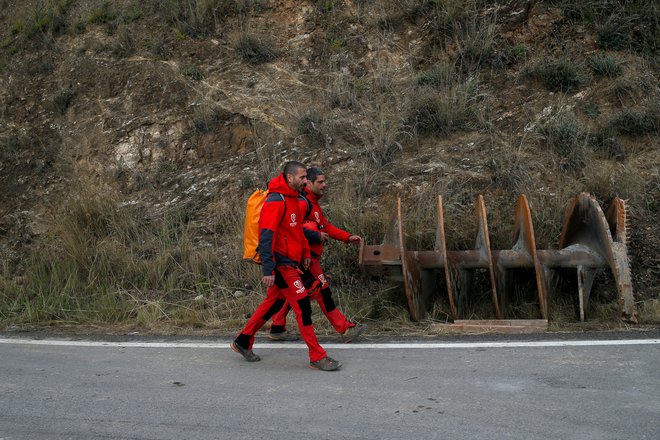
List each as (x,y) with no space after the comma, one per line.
(319,230)
(283,248)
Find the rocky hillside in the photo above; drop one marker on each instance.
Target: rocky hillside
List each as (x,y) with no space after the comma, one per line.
(131,132)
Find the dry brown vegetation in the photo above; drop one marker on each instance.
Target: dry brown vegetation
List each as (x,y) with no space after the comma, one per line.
(133,131)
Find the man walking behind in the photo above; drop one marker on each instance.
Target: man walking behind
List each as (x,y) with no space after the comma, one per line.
(282,249)
(318,230)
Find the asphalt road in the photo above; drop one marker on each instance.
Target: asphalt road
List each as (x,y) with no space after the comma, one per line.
(438,389)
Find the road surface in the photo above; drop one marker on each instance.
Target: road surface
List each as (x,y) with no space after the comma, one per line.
(465,388)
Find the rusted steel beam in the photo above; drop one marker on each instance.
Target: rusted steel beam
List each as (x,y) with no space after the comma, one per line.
(590,243)
(586,224)
(571,257)
(441,247)
(483,245)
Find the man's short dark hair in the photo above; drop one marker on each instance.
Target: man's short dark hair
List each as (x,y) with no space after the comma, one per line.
(291,167)
(313,173)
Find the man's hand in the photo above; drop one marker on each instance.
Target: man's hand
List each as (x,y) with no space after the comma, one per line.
(268,280)
(306,263)
(355,239)
(324,237)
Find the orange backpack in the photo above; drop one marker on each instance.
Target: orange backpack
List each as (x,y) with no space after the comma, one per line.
(251,232)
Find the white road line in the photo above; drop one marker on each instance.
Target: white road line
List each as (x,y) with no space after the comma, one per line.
(335,346)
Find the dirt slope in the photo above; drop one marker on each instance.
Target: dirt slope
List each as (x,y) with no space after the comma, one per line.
(165,107)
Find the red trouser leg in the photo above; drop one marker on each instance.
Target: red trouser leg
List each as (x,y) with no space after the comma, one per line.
(294,291)
(273,302)
(324,297)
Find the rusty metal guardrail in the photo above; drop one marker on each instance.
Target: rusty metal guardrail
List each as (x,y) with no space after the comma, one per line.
(590,243)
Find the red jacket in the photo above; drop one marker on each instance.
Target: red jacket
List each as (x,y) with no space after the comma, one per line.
(317,223)
(281,238)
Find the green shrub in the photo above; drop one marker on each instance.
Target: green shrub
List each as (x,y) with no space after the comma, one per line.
(613,39)
(187,19)
(607,145)
(381,138)
(80,25)
(102,14)
(444,17)
(10,148)
(11,50)
(17,27)
(336,41)
(159,48)
(6,42)
(310,125)
(619,24)
(615,30)
(193,72)
(43,66)
(635,123)
(254,50)
(476,41)
(452,104)
(510,175)
(559,75)
(250,7)
(124,44)
(346,93)
(199,18)
(605,65)
(325,5)
(584,11)
(206,118)
(41,22)
(439,75)
(44,19)
(134,12)
(519,51)
(564,135)
(592,110)
(62,99)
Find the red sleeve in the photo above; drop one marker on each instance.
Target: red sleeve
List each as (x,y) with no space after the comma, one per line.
(336,233)
(332,230)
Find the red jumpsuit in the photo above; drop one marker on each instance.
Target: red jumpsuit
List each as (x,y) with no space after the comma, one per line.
(313,277)
(282,247)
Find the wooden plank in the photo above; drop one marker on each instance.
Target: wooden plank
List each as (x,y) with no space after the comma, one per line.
(513,326)
(503,322)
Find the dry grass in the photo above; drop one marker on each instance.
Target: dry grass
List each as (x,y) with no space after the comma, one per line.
(610,180)
(559,74)
(254,49)
(563,134)
(103,262)
(649,312)
(511,165)
(446,101)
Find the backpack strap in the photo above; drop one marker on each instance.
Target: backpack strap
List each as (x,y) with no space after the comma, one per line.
(309,205)
(283,199)
(309,208)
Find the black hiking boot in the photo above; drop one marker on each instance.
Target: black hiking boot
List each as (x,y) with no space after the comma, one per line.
(353,332)
(325,364)
(247,354)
